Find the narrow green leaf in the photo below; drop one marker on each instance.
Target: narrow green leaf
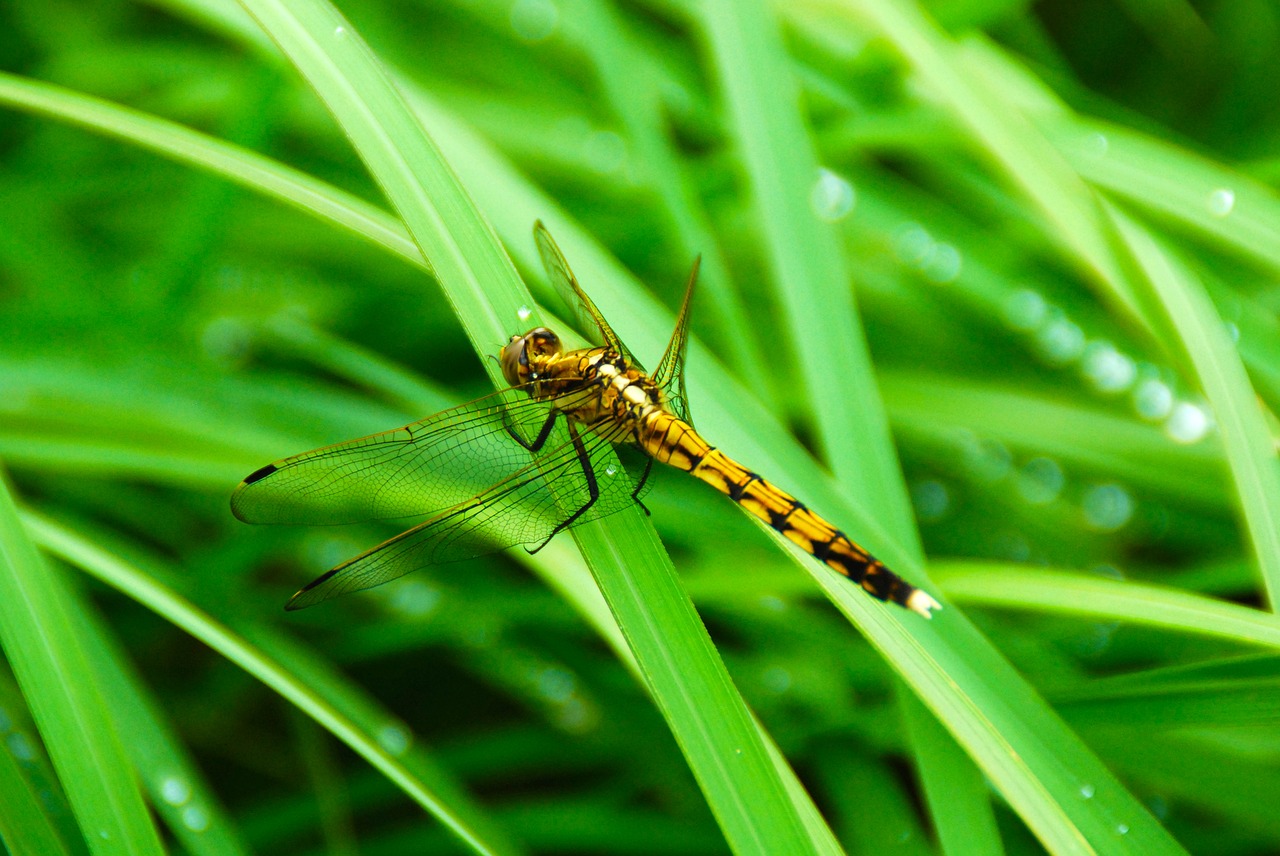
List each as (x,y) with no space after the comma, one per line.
(25,825)
(807,264)
(43,648)
(315,695)
(1019,587)
(1251,452)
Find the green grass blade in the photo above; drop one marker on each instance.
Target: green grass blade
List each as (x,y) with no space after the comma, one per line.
(1221,204)
(172,779)
(43,649)
(1065,204)
(25,824)
(1017,587)
(315,696)
(1251,452)
(807,263)
(218,157)
(958,798)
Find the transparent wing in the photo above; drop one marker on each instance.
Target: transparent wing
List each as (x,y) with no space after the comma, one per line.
(670,373)
(528,507)
(421,468)
(566,285)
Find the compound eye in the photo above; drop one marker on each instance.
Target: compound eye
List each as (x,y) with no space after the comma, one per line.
(546,342)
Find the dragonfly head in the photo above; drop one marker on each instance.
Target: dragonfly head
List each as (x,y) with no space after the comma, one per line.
(523,357)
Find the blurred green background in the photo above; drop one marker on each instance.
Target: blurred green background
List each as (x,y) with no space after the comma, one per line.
(1058,223)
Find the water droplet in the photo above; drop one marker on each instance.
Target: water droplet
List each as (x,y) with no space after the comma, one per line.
(339,32)
(1153,399)
(1025,309)
(415,597)
(104,834)
(394,738)
(226,340)
(20,747)
(1111,572)
(1012,546)
(1108,369)
(1222,201)
(777,679)
(943,264)
(931,500)
(773,603)
(175,791)
(1096,144)
(195,819)
(1123,829)
(988,460)
(832,196)
(1060,341)
(5,722)
(611,470)
(534,20)
(1099,639)
(523,313)
(1087,791)
(605,151)
(1159,807)
(1107,507)
(1188,423)
(556,684)
(913,244)
(1041,481)
(575,716)
(1233,330)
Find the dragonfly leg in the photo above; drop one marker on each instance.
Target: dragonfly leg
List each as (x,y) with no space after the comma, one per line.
(543,433)
(593,489)
(635,494)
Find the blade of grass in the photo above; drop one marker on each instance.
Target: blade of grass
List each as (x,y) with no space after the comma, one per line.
(184,145)
(1069,210)
(25,824)
(633,90)
(43,648)
(1019,587)
(977,680)
(808,268)
(958,799)
(1208,350)
(746,791)
(313,696)
(177,789)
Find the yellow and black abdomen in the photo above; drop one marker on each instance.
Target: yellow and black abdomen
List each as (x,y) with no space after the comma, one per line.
(675,442)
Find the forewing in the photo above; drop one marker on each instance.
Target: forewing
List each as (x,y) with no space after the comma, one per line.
(566,285)
(526,508)
(669,375)
(421,468)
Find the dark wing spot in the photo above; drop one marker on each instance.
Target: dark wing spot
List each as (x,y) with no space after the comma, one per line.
(822,549)
(293,605)
(259,475)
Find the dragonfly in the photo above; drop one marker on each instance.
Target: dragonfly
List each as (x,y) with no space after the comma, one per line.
(523,464)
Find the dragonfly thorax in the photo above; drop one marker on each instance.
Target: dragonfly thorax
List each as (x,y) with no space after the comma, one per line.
(524,356)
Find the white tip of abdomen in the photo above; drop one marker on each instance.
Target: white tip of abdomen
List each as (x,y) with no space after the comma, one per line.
(920,602)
